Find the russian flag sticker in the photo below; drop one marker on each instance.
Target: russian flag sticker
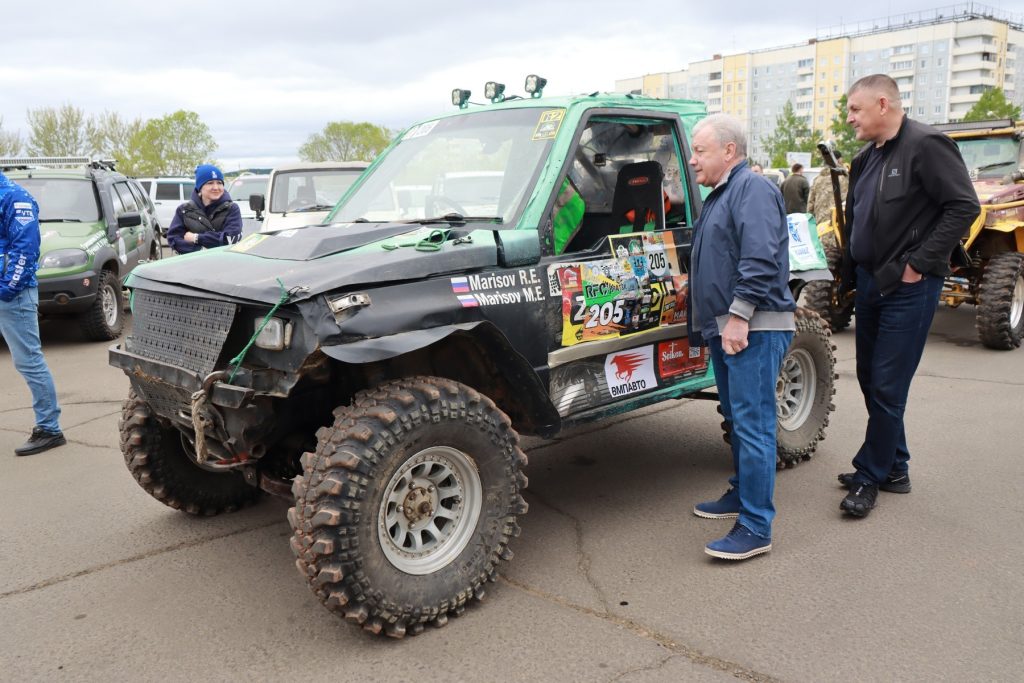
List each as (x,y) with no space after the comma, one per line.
(460,285)
(467,300)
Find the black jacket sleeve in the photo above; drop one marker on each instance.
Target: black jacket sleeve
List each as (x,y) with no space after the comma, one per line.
(947,183)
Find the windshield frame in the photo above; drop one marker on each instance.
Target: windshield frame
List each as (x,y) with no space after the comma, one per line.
(519,194)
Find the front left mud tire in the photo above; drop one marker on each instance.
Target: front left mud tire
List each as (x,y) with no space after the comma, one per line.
(157,459)
(407,507)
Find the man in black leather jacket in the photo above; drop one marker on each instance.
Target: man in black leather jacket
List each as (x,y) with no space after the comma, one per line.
(909,203)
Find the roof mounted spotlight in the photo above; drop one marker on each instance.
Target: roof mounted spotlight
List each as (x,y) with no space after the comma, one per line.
(535,85)
(460,98)
(495,92)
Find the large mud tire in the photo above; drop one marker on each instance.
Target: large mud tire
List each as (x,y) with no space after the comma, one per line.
(104,320)
(820,295)
(804,389)
(1000,316)
(354,544)
(157,459)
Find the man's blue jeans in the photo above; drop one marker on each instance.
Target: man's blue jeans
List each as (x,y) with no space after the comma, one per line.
(891,333)
(746,391)
(19,324)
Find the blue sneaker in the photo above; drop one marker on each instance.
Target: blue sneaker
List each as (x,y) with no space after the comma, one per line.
(738,544)
(726,507)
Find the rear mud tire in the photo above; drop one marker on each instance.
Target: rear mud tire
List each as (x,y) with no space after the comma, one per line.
(104,320)
(1000,315)
(820,295)
(157,460)
(805,389)
(387,443)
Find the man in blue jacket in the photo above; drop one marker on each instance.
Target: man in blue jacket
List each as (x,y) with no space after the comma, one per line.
(19,312)
(741,306)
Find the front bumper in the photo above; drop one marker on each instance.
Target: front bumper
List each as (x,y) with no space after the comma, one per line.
(162,381)
(68,293)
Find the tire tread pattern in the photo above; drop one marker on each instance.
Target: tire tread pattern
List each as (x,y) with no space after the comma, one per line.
(331,493)
(94,321)
(818,294)
(995,299)
(162,469)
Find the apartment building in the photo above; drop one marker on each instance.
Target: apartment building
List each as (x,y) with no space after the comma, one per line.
(943,60)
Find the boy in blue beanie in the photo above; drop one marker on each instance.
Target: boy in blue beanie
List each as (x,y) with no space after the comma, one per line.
(209,219)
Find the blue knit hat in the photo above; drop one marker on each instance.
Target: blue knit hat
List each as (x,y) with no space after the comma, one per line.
(207,172)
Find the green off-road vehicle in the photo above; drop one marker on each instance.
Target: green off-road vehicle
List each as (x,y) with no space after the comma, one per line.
(515,268)
(96,226)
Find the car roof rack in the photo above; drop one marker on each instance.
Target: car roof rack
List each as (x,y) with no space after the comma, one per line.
(52,162)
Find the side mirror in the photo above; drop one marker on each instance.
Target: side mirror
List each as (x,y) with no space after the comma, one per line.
(517,247)
(129,219)
(257,203)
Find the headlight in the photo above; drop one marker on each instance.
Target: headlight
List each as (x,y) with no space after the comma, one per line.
(64,258)
(276,335)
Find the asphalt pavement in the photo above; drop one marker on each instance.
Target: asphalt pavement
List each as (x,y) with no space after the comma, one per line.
(98,581)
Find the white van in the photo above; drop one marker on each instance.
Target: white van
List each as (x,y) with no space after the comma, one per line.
(303,194)
(167,194)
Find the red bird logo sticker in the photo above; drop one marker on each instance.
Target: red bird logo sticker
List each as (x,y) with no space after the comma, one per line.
(626,364)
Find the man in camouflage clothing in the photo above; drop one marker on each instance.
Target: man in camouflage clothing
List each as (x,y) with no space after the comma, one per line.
(821,200)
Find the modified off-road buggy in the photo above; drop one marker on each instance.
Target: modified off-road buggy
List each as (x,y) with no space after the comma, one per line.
(988,265)
(514,268)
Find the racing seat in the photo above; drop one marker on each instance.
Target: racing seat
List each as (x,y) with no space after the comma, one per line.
(639,198)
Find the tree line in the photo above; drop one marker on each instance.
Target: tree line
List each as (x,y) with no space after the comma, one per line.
(792,134)
(173,144)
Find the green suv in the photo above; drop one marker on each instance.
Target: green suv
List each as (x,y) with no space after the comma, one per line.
(515,268)
(96,226)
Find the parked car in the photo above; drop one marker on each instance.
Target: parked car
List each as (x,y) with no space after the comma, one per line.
(244,186)
(167,193)
(303,194)
(96,227)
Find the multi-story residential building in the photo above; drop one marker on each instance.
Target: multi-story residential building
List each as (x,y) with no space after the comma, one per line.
(943,60)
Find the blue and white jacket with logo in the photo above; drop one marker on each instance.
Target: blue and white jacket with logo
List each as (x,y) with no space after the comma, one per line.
(19,239)
(739,264)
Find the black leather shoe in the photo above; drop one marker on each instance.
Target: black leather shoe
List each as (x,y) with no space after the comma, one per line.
(894,483)
(860,500)
(40,441)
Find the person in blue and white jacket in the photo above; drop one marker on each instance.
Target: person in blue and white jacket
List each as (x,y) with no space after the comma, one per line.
(19,312)
(741,306)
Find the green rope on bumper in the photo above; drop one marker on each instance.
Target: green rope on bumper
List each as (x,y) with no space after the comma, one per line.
(237,360)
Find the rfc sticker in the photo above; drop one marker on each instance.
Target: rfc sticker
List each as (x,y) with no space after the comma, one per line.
(630,371)
(548,125)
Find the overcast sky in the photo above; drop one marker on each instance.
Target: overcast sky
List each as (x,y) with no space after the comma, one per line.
(265,75)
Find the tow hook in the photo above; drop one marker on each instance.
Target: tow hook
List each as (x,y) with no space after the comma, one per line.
(200,420)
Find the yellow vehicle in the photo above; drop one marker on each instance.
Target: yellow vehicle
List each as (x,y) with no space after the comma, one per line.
(988,266)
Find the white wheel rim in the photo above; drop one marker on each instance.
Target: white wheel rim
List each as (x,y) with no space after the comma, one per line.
(429,510)
(108,302)
(1017,303)
(794,389)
